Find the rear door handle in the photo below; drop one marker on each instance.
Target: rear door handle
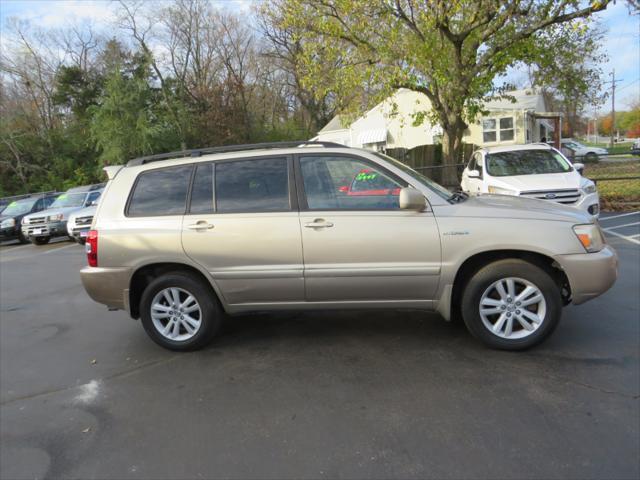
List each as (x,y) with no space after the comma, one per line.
(318,223)
(201,225)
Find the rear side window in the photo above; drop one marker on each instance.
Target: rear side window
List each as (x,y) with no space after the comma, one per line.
(161,192)
(202,190)
(252,186)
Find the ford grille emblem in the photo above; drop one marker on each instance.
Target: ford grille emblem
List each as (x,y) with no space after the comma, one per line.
(550,195)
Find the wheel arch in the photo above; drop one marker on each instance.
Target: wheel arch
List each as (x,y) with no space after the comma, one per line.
(450,308)
(145,274)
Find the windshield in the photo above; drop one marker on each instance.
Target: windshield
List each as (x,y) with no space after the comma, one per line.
(526,162)
(69,200)
(427,182)
(19,208)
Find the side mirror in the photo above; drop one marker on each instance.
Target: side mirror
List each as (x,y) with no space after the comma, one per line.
(94,203)
(473,174)
(412,199)
(579,167)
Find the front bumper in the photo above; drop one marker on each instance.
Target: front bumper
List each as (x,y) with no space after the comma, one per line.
(9,233)
(590,274)
(52,229)
(76,232)
(105,285)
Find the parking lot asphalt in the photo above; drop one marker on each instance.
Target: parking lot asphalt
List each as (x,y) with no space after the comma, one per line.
(85,394)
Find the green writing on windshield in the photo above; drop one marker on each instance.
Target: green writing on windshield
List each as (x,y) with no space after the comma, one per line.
(363,176)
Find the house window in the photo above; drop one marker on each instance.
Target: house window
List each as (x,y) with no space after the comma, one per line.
(497,130)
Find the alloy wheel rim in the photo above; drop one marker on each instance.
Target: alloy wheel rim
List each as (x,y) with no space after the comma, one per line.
(512,308)
(176,314)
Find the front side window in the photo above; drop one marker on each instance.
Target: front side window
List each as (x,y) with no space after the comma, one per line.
(260,185)
(161,192)
(498,129)
(341,183)
(526,162)
(93,196)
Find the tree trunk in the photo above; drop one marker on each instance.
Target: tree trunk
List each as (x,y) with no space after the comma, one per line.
(452,153)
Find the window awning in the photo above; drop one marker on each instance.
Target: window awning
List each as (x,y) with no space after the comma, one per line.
(547,124)
(378,135)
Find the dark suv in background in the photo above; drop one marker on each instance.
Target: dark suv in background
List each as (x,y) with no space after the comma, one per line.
(12,215)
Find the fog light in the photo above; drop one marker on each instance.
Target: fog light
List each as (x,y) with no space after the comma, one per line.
(594,209)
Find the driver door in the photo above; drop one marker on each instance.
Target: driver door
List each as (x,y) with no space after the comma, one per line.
(358,245)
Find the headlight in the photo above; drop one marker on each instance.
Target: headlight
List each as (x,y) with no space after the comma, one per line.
(502,191)
(25,221)
(9,222)
(56,217)
(589,188)
(590,237)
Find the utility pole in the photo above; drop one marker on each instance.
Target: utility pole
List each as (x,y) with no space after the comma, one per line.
(613,103)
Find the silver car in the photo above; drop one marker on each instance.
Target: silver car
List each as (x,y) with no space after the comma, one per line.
(181,241)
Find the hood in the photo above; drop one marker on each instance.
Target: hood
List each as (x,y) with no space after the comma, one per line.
(85,212)
(543,181)
(65,211)
(507,206)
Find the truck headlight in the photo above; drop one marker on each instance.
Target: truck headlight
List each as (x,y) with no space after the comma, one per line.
(8,223)
(56,217)
(589,188)
(501,191)
(590,237)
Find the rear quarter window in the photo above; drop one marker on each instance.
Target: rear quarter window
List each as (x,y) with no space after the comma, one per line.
(160,192)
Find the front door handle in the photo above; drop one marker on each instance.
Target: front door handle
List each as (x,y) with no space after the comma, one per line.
(201,225)
(318,223)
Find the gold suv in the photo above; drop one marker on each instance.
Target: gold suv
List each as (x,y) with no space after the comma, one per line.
(179,240)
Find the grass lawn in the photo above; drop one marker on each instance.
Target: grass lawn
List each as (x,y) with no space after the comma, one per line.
(616,194)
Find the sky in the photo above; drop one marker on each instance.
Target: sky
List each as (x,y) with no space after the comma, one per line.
(622,41)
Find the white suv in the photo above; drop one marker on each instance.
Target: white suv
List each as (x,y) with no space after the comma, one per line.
(533,171)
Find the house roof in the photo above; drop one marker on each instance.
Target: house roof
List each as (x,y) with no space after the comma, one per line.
(526,99)
(334,124)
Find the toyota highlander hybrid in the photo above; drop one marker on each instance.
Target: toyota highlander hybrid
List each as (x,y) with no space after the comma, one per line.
(181,239)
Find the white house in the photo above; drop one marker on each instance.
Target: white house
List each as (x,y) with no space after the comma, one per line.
(390,123)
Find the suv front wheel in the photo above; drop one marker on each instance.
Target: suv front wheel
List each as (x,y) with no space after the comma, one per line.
(511,304)
(179,313)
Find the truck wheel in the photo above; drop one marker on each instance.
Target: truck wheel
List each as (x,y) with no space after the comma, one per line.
(179,312)
(511,304)
(40,240)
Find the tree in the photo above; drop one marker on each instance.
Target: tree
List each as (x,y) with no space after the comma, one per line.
(451,51)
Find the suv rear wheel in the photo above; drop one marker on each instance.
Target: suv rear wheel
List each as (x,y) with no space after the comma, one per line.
(179,313)
(511,304)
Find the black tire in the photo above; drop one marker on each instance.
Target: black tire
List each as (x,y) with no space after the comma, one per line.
(40,240)
(485,277)
(22,239)
(81,240)
(212,313)
(591,157)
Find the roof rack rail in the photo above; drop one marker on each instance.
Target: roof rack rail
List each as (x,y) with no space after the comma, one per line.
(196,152)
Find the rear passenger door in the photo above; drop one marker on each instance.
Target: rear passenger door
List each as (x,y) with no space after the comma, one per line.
(358,245)
(242,226)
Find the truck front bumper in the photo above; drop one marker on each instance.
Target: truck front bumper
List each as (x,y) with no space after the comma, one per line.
(590,274)
(52,229)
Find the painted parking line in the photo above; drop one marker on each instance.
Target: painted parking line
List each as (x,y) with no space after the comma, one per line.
(4,259)
(611,217)
(626,237)
(615,227)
